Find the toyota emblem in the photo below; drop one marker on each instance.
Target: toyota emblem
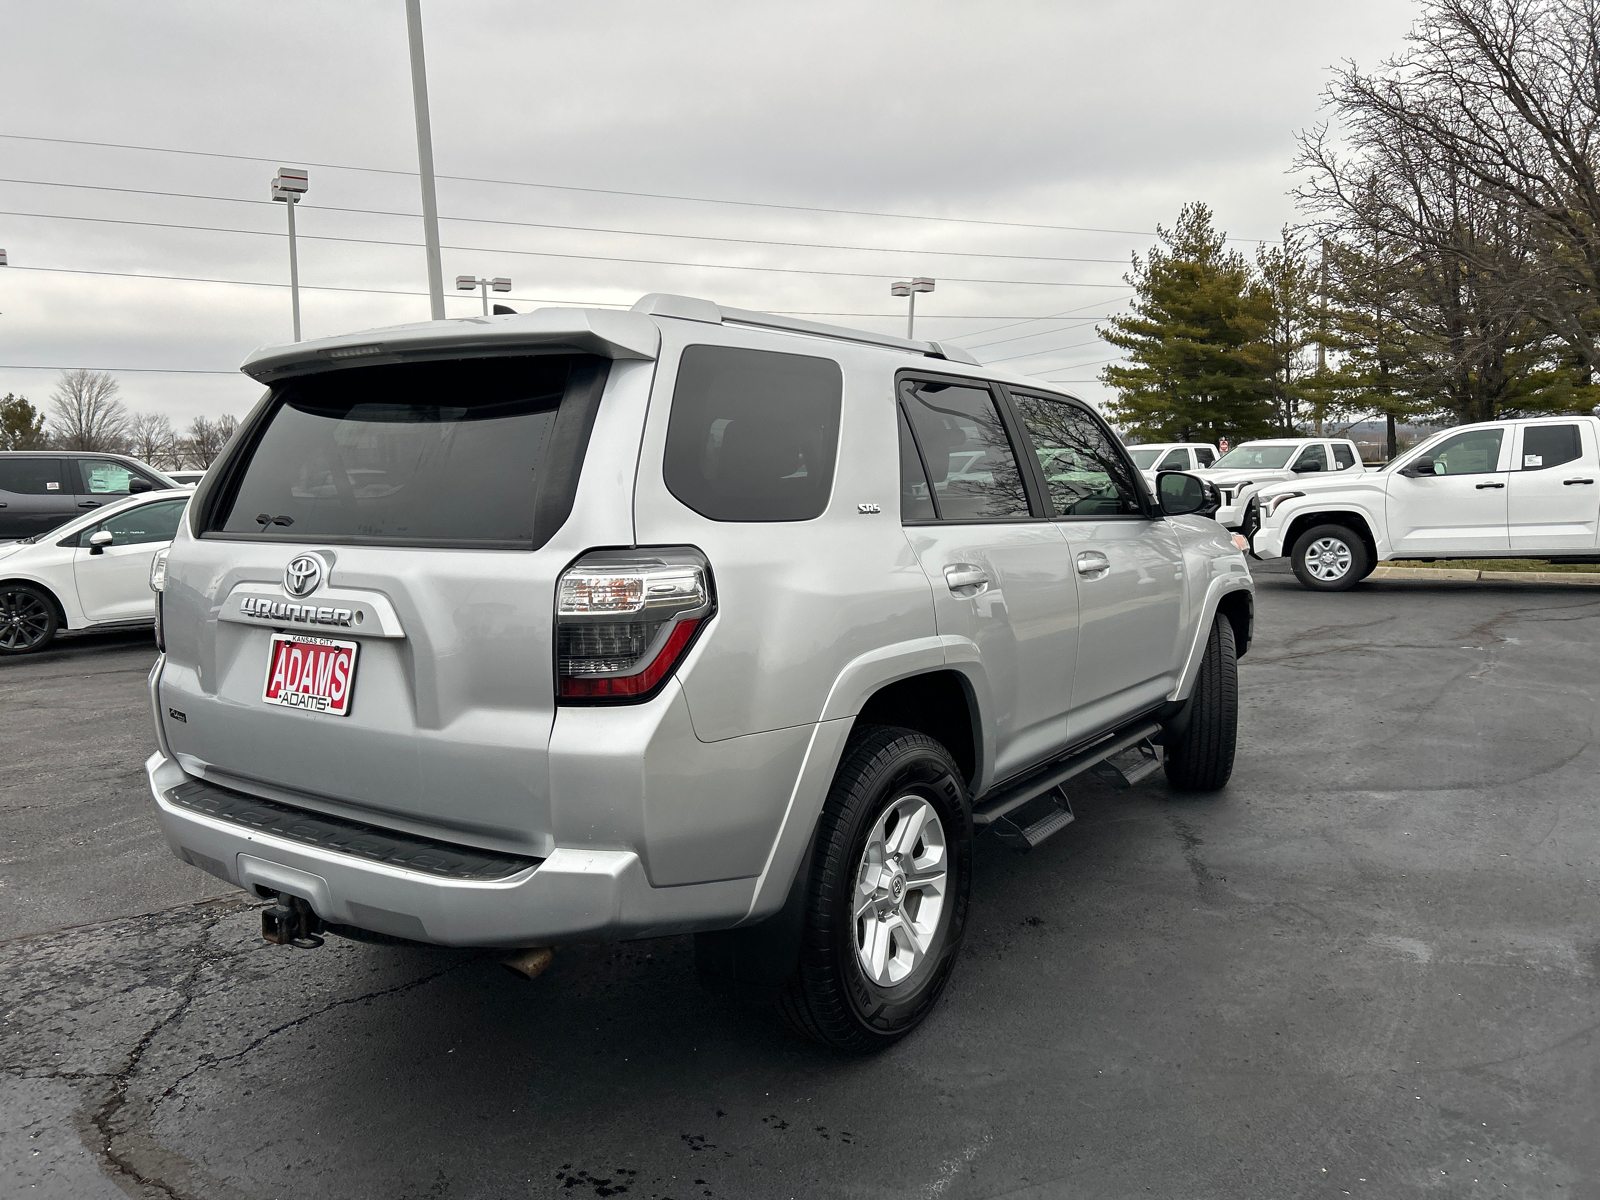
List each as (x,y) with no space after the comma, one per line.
(302,575)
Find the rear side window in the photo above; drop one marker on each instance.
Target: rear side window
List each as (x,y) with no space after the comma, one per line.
(480,452)
(964,444)
(1545,446)
(31,476)
(916,497)
(1204,456)
(1343,456)
(753,434)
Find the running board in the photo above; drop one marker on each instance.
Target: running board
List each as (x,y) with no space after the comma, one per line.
(1131,766)
(998,804)
(1058,815)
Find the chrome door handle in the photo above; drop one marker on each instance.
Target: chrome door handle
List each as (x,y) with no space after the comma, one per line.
(965,579)
(1093,564)
(1569,482)
(1481,486)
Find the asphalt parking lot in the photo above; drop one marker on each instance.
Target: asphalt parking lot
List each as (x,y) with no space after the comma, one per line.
(1371,967)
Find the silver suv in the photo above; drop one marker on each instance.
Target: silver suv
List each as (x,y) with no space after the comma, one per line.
(581,624)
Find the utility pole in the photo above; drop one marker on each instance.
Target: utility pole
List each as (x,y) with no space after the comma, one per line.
(465,283)
(910,288)
(289,185)
(430,201)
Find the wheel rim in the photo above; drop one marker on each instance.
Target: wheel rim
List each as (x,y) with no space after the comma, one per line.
(1328,559)
(24,620)
(900,890)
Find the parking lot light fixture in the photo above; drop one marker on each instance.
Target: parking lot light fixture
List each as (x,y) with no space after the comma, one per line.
(465,283)
(288,185)
(909,289)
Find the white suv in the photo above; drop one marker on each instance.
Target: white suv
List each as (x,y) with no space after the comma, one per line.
(582,624)
(1247,468)
(1500,489)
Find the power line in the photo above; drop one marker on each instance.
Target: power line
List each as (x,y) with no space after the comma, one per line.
(695,237)
(1048,317)
(653,262)
(563,187)
(1038,333)
(1039,353)
(126,370)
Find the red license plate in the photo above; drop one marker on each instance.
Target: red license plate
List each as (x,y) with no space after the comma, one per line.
(311,673)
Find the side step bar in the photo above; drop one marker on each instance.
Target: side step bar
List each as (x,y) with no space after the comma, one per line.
(998,804)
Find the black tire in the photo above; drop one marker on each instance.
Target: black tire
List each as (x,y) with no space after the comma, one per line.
(1199,755)
(28,619)
(1343,561)
(831,998)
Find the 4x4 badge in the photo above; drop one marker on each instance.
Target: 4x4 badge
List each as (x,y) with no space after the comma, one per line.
(302,575)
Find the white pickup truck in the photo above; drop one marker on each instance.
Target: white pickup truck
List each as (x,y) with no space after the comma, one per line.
(1500,489)
(1247,468)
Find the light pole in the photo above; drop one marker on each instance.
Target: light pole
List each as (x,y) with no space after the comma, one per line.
(909,289)
(430,202)
(465,283)
(288,185)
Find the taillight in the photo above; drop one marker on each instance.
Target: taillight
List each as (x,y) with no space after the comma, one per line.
(624,619)
(158,585)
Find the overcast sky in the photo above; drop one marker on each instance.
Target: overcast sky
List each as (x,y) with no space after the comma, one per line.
(1067,113)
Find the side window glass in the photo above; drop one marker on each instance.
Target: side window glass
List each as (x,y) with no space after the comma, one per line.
(753,434)
(970,463)
(1178,460)
(1343,456)
(31,476)
(916,497)
(1545,446)
(1204,456)
(1085,474)
(1313,454)
(1472,453)
(102,477)
(147,523)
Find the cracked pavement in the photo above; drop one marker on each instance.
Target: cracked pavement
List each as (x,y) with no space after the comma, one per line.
(1370,967)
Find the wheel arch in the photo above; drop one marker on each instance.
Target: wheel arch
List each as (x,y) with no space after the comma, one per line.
(38,585)
(941,704)
(1353,519)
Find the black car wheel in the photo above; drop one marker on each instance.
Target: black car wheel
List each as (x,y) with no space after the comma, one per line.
(28,620)
(1200,745)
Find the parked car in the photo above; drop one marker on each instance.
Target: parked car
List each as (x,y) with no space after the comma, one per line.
(1247,468)
(1499,489)
(91,573)
(1154,458)
(40,489)
(580,624)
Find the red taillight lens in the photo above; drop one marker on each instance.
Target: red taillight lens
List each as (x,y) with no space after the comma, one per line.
(624,619)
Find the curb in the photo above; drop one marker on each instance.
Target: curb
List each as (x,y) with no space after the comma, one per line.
(1569,578)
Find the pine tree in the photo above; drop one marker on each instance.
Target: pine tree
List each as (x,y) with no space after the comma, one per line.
(21,425)
(1289,277)
(1197,340)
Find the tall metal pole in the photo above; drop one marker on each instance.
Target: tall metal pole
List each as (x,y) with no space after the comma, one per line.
(430,202)
(911,316)
(294,271)
(483,285)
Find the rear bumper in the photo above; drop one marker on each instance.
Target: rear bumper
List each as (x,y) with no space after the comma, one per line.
(571,895)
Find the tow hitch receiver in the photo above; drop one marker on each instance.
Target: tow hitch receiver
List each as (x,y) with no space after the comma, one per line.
(291,922)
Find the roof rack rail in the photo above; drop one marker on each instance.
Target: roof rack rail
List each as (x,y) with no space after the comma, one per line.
(691,308)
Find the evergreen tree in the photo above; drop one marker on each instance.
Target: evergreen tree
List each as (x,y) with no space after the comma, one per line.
(21,425)
(1197,341)
(1289,277)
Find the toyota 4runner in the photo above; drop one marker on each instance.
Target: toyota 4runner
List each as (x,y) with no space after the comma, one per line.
(578,624)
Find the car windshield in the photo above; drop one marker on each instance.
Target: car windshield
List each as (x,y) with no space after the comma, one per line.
(1264,457)
(1144,457)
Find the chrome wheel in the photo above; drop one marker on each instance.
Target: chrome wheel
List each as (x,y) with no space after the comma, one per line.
(1328,559)
(900,890)
(25,621)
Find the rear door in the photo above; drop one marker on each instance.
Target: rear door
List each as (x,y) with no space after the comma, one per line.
(1461,508)
(1553,489)
(1001,572)
(1128,564)
(113,581)
(35,497)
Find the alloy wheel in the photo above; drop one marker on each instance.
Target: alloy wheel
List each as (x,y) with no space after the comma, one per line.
(24,620)
(900,890)
(1328,559)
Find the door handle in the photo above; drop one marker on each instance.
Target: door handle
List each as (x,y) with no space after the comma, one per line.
(966,579)
(1481,486)
(1093,564)
(88,504)
(1566,482)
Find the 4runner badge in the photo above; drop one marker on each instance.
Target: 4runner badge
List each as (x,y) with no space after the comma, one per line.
(868,508)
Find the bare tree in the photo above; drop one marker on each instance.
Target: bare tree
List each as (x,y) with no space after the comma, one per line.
(206,439)
(85,412)
(151,439)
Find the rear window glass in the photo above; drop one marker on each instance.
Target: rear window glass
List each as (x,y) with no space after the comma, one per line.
(1545,446)
(753,433)
(434,453)
(31,476)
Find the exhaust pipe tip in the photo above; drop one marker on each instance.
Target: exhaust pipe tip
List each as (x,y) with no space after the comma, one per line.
(529,963)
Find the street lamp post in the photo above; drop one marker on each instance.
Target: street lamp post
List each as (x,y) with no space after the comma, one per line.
(909,289)
(465,283)
(430,201)
(288,186)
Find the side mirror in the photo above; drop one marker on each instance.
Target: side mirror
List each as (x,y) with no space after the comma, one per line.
(137,485)
(99,540)
(1180,494)
(1302,468)
(1422,465)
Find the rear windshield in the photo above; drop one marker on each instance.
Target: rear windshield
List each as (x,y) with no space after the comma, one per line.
(433,453)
